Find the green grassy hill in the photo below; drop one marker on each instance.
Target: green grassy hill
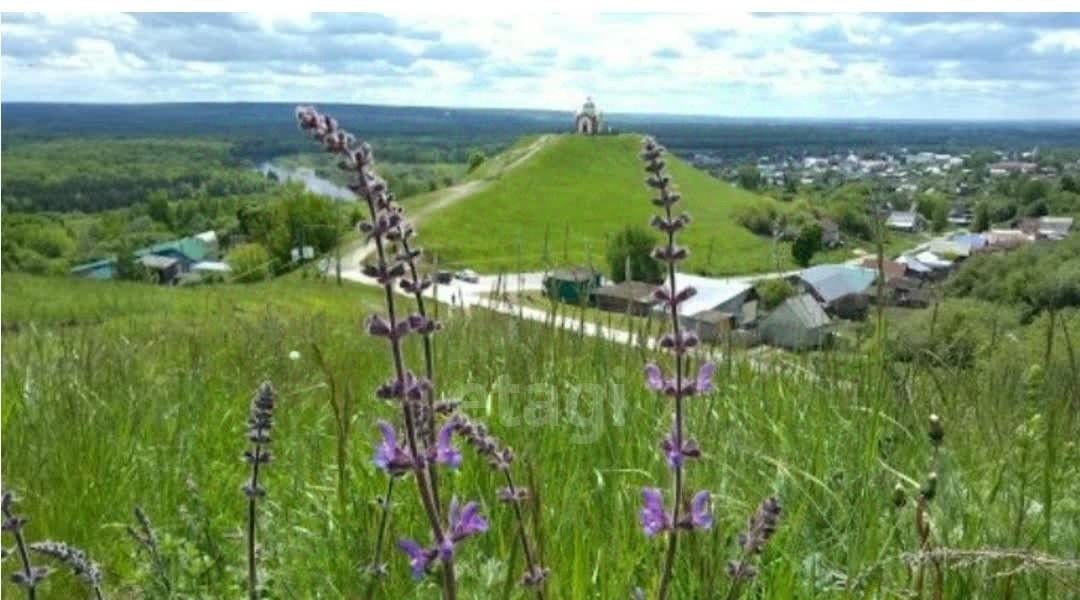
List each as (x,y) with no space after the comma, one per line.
(120,394)
(560,205)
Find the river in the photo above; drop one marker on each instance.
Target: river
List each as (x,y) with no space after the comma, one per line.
(312,182)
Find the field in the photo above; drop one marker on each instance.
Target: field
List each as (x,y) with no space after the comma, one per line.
(117,395)
(560,206)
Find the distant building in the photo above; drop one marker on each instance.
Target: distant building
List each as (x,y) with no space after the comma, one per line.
(841,289)
(797,324)
(907,292)
(572,285)
(716,295)
(905,221)
(892,269)
(168,260)
(948,248)
(99,269)
(587,121)
(1006,239)
(635,297)
(187,251)
(166,269)
(915,269)
(1011,166)
(1047,228)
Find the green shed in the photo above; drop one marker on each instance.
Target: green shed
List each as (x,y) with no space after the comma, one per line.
(572,286)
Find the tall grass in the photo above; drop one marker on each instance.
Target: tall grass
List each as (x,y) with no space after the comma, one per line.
(116,396)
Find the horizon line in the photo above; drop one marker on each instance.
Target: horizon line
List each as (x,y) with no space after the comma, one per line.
(1063,119)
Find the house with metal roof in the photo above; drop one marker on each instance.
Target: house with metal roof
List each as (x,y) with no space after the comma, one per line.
(915,268)
(168,260)
(1054,228)
(892,268)
(187,251)
(841,289)
(797,324)
(905,221)
(972,241)
(634,297)
(98,269)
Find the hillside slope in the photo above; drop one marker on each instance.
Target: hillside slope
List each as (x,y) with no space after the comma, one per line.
(560,206)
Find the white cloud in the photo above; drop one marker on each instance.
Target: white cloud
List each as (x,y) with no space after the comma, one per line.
(891,65)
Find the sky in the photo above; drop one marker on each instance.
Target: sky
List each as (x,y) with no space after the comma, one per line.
(891,65)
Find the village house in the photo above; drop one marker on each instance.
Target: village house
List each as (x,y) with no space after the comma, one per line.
(915,269)
(167,260)
(634,297)
(891,268)
(1046,228)
(798,323)
(1006,239)
(571,285)
(718,306)
(841,289)
(1011,166)
(905,221)
(907,292)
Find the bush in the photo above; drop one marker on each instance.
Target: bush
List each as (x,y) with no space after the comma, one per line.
(757,218)
(772,292)
(953,335)
(806,245)
(636,244)
(475,160)
(249,263)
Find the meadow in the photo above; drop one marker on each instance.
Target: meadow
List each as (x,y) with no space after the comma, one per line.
(117,395)
(561,206)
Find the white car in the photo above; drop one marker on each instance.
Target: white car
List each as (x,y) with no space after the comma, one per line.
(467,275)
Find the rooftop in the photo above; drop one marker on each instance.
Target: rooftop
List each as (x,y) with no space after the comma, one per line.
(629,290)
(806,310)
(710,292)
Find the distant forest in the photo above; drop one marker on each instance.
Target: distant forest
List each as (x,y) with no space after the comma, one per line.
(261,131)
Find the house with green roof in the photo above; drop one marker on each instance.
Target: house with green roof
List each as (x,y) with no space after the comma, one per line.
(168,259)
(187,251)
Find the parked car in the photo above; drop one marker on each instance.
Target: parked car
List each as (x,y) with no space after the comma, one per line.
(467,275)
(444,276)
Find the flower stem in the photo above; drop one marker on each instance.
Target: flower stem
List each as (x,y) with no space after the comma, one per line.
(429,367)
(24,556)
(383,521)
(449,584)
(533,564)
(673,534)
(253,577)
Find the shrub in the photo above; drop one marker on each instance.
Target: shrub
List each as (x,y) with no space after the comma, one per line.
(806,245)
(774,291)
(635,244)
(249,262)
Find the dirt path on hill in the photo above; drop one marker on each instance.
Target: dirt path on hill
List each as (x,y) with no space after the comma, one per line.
(353,256)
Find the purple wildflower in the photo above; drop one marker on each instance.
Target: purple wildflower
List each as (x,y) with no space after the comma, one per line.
(679,343)
(465,520)
(700,511)
(389,455)
(677,453)
(419,557)
(444,452)
(704,383)
(654,519)
(655,378)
